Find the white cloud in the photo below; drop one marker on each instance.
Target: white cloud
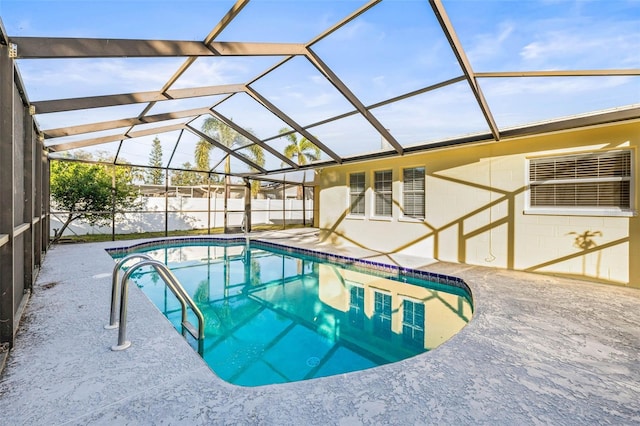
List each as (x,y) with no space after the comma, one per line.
(213,71)
(566,86)
(319,100)
(487,46)
(55,79)
(354,30)
(584,46)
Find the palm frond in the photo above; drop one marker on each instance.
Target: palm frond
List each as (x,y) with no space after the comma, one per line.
(291,136)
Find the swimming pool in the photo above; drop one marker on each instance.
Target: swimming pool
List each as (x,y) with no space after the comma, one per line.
(274,314)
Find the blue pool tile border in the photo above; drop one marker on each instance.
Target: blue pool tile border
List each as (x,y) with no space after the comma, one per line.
(369,265)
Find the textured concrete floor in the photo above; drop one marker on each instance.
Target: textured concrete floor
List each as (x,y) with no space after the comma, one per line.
(539,350)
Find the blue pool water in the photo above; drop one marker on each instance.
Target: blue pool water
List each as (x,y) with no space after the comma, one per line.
(272,316)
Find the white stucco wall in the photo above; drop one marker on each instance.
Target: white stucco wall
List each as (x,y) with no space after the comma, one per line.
(475,210)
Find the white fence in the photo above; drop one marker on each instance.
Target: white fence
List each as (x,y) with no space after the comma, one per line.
(184,213)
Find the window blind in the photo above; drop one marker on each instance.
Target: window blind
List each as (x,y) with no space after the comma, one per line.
(414,192)
(586,180)
(356,193)
(383,192)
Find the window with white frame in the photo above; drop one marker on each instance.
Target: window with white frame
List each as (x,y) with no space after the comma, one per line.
(413,323)
(383,189)
(356,307)
(382,315)
(356,194)
(413,198)
(593,182)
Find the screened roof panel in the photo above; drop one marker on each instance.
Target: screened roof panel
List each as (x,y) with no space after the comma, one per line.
(302,92)
(525,100)
(444,113)
(545,35)
(245,111)
(211,71)
(261,157)
(236,166)
(77,78)
(349,136)
(84,136)
(287,21)
(219,132)
(104,152)
(393,48)
(151,126)
(369,76)
(184,104)
(57,120)
(184,151)
(218,159)
(138,151)
(143,19)
(280,143)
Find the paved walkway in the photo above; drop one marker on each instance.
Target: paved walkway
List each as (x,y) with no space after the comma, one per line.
(539,350)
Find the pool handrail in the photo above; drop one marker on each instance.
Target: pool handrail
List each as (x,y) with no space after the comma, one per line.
(113,316)
(174,285)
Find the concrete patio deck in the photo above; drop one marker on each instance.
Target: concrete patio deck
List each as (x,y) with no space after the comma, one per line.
(539,350)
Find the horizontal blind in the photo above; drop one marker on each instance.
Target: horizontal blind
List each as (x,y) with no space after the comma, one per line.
(356,193)
(383,192)
(591,180)
(413,192)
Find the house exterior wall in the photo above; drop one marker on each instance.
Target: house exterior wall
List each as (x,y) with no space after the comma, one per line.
(475,209)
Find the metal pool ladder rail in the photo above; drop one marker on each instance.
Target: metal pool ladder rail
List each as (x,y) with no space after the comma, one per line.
(172,283)
(113,317)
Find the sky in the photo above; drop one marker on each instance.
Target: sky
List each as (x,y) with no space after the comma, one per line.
(392,49)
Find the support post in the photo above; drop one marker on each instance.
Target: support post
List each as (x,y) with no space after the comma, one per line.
(209,204)
(37,201)
(7,90)
(247,205)
(226,204)
(28,188)
(166,202)
(284,204)
(113,204)
(46,200)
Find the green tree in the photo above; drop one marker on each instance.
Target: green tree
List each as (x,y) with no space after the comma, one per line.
(303,150)
(155,174)
(85,191)
(185,177)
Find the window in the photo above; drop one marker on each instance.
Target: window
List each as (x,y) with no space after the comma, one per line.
(356,194)
(413,192)
(382,315)
(383,190)
(595,182)
(413,323)
(356,307)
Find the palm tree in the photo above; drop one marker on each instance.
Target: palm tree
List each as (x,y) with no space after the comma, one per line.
(228,137)
(302,149)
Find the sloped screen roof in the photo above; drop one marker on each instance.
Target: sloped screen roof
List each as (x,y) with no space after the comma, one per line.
(355,79)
